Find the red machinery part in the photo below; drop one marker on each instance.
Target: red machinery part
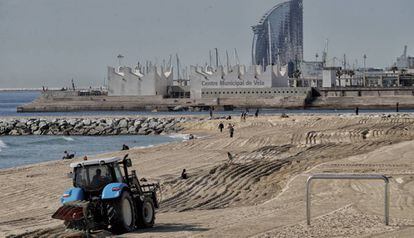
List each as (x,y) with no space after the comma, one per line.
(69,213)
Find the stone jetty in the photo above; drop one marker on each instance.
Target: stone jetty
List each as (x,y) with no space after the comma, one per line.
(90,126)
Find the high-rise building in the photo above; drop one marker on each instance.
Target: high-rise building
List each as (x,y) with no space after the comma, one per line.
(278,38)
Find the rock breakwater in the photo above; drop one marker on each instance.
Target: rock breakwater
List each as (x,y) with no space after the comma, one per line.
(91,127)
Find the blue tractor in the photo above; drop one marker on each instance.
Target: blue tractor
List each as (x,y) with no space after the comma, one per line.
(105,196)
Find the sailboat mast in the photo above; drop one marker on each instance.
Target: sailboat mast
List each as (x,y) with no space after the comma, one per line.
(178,67)
(228,61)
(217,58)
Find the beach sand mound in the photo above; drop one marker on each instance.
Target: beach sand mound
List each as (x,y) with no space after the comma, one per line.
(254,177)
(229,184)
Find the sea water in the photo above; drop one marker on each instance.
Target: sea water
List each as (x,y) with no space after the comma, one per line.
(23,150)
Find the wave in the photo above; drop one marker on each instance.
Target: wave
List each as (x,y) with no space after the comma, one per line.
(53,140)
(66,138)
(182,137)
(179,136)
(2,144)
(143,147)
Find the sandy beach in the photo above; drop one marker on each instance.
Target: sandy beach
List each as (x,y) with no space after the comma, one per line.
(261,193)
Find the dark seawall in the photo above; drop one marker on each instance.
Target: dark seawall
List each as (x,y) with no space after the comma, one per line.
(91,126)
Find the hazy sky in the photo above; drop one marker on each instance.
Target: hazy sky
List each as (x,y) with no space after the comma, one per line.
(48,42)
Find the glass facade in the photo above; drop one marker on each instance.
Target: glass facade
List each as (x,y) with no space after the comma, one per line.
(278,38)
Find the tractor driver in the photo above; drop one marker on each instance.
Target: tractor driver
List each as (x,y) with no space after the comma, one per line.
(98,179)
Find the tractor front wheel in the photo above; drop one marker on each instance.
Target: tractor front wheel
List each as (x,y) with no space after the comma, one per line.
(146,213)
(121,214)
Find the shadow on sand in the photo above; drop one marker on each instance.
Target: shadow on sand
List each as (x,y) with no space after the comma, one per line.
(171,227)
(60,231)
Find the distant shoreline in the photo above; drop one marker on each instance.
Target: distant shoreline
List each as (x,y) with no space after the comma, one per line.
(33,89)
(20,89)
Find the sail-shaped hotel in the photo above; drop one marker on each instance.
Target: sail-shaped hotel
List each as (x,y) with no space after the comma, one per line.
(278,37)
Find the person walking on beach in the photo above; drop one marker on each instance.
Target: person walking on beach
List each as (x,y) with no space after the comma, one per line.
(211,113)
(243,116)
(221,127)
(231,130)
(357,111)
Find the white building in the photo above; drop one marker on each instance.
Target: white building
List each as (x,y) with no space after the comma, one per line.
(205,82)
(151,81)
(236,77)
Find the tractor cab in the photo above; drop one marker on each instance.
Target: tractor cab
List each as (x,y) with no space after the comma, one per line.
(92,176)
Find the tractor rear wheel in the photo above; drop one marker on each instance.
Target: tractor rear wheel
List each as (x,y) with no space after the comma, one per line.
(146,213)
(121,214)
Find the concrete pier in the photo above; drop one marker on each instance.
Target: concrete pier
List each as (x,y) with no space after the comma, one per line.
(338,98)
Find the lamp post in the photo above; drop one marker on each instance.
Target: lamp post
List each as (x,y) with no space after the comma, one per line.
(120,57)
(365,70)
